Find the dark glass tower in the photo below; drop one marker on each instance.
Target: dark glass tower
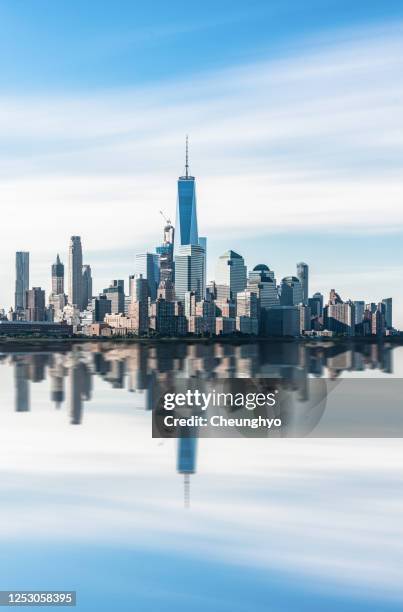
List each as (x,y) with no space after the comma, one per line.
(186,214)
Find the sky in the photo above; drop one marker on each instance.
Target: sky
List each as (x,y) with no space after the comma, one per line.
(294,112)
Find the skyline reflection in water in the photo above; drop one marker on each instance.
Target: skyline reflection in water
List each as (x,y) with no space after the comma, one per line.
(302,524)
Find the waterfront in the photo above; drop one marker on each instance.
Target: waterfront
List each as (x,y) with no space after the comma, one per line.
(89,501)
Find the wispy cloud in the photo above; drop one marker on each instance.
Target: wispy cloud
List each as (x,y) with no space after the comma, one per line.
(312,140)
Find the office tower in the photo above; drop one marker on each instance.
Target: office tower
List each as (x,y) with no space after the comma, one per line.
(282,321)
(247,312)
(57,276)
(166,290)
(138,308)
(290,291)
(341,318)
(303,277)
(75,288)
(186,213)
(189,271)
(304,318)
(203,244)
(21,278)
(100,307)
(116,294)
(230,275)
(247,304)
(86,286)
(166,253)
(261,280)
(35,304)
(388,312)
(316,305)
(190,304)
(359,306)
(147,266)
(378,320)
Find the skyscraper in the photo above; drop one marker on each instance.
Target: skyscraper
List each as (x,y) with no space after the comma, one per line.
(58,277)
(21,278)
(166,253)
(186,213)
(303,277)
(262,281)
(75,287)
(147,266)
(86,286)
(35,304)
(290,291)
(388,312)
(189,271)
(231,273)
(116,294)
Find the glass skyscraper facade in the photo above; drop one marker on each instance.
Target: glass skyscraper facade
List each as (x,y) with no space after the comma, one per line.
(186,214)
(21,278)
(186,231)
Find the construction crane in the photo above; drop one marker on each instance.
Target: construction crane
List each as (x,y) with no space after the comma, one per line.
(167,221)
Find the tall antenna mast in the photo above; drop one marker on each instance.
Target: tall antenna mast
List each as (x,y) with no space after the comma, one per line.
(187,157)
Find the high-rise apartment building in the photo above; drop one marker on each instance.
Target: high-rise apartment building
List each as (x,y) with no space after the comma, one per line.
(75,284)
(341,318)
(21,278)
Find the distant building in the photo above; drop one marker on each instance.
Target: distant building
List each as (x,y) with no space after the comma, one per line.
(87,286)
(21,279)
(138,308)
(230,275)
(316,305)
(147,265)
(166,253)
(186,213)
(282,321)
(101,306)
(75,285)
(291,291)
(189,271)
(303,277)
(262,281)
(57,277)
(359,306)
(116,294)
(247,304)
(341,318)
(35,309)
(388,312)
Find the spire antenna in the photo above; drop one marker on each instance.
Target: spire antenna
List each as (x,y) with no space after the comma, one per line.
(187,157)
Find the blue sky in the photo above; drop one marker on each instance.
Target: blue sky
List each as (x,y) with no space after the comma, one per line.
(294,111)
(75,44)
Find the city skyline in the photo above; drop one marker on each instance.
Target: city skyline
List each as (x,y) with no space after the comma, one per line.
(294,139)
(177,298)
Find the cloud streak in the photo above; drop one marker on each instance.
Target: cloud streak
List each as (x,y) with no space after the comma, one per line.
(313,140)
